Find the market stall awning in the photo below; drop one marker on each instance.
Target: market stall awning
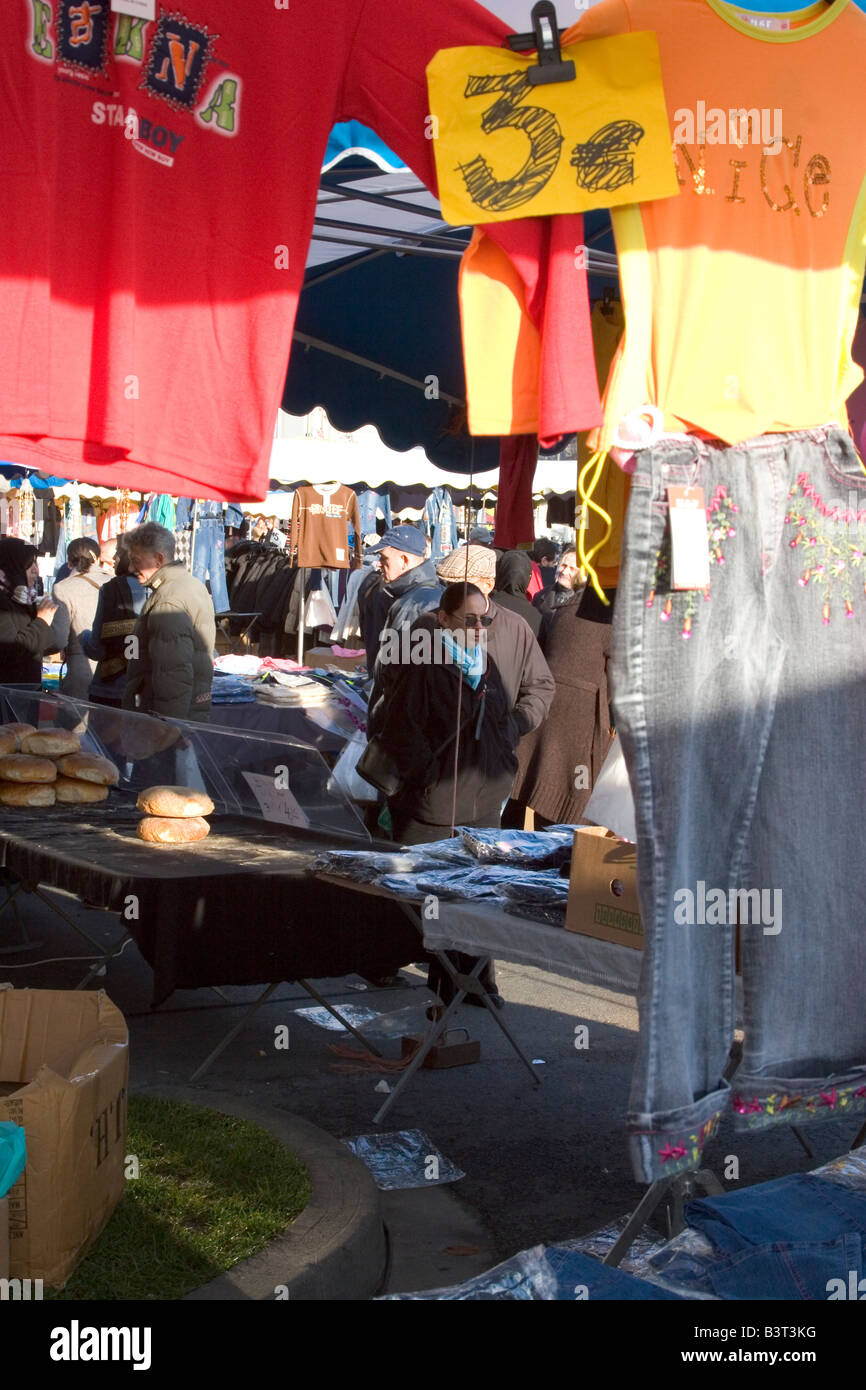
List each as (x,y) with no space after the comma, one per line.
(365,462)
(377,336)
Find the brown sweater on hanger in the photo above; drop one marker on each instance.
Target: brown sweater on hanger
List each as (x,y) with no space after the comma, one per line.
(319,530)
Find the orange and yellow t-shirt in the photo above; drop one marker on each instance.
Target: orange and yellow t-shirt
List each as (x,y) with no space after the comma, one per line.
(742,292)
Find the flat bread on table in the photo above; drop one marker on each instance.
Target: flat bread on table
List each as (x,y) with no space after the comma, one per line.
(69,789)
(176,802)
(51,743)
(11,736)
(21,767)
(89,767)
(168,830)
(27,793)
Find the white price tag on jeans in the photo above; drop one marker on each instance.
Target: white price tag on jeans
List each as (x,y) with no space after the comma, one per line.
(690,542)
(139,9)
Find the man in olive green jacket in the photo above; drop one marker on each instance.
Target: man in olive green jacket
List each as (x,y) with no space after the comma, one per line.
(170,669)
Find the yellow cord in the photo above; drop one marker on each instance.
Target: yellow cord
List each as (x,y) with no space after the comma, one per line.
(597,461)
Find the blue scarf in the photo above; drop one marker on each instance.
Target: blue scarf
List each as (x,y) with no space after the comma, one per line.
(470,664)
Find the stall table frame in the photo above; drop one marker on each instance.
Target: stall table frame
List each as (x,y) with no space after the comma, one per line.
(463,984)
(187,878)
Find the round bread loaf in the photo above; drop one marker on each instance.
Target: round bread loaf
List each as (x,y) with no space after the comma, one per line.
(26,794)
(169,830)
(8,742)
(51,743)
(20,767)
(70,789)
(89,767)
(175,802)
(19,730)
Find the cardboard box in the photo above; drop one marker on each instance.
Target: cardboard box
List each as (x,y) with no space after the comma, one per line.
(322,657)
(602,895)
(64,1066)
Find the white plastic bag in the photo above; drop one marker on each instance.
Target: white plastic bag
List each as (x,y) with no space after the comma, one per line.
(347,779)
(611,803)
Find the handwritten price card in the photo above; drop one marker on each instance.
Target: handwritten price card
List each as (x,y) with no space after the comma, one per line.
(506,149)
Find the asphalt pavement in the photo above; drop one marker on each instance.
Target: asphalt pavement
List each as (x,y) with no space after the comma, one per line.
(541,1164)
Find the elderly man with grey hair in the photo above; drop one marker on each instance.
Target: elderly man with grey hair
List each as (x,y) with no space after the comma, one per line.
(171,667)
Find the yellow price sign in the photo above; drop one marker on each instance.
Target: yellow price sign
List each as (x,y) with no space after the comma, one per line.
(505,148)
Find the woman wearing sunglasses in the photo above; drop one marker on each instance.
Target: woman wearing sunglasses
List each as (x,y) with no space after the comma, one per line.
(447,696)
(445,666)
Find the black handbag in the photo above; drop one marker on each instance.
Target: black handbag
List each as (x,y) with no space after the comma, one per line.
(377,767)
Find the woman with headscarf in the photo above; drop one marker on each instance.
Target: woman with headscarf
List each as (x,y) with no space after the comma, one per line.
(513,573)
(78,596)
(26,634)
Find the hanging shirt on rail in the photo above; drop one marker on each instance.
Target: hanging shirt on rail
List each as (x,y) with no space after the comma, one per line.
(742,292)
(319,533)
(159,183)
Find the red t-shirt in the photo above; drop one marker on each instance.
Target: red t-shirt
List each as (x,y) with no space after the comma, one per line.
(159,185)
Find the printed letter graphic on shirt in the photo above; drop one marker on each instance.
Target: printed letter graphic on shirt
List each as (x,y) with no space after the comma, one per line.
(82,33)
(40,43)
(499,150)
(179,54)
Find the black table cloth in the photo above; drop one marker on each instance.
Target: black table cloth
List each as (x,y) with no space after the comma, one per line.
(238,908)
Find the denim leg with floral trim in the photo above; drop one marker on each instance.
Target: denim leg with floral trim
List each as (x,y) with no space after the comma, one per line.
(742,713)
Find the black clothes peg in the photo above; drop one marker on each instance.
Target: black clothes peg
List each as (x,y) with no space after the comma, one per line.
(545,38)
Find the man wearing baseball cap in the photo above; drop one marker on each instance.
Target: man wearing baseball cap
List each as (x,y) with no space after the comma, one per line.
(409,588)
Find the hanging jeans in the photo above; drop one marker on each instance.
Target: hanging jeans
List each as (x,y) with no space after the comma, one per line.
(742,712)
(209,559)
(369,503)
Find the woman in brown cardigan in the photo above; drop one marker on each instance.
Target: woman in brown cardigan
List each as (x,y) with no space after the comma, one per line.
(560,761)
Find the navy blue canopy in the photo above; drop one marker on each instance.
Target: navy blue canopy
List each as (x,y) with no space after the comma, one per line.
(377,335)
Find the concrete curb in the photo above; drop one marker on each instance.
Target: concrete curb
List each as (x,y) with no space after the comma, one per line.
(336,1250)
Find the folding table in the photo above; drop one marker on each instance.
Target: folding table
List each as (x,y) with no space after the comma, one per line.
(239,908)
(488,932)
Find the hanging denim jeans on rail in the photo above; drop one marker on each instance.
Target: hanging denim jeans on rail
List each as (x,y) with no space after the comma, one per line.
(370,503)
(209,560)
(742,712)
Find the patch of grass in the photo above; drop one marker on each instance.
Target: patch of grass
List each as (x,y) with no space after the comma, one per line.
(211,1190)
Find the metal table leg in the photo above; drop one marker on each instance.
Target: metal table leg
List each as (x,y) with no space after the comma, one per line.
(230,1036)
(320,999)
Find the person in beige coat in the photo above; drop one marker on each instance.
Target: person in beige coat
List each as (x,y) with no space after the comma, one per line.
(76,598)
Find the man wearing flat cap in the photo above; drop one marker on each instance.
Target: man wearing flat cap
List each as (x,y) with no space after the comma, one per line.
(510,641)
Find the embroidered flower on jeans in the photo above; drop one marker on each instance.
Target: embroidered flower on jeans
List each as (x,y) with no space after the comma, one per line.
(837,535)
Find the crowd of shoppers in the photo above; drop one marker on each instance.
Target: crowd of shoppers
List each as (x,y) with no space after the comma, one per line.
(508,702)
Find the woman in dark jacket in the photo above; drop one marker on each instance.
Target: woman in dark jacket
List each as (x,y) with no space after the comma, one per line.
(445,665)
(450,678)
(513,574)
(26,635)
(118,604)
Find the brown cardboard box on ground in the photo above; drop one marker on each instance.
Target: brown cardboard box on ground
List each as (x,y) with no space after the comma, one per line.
(64,1066)
(602,895)
(321,656)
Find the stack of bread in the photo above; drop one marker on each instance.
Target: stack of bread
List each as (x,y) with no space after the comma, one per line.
(173,815)
(45,766)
